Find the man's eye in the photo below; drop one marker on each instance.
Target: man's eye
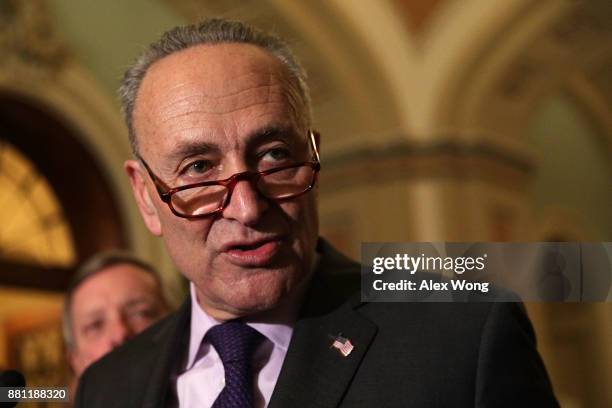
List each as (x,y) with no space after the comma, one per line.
(277,155)
(93,327)
(142,314)
(197,167)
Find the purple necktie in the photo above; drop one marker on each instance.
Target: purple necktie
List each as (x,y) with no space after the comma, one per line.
(235,343)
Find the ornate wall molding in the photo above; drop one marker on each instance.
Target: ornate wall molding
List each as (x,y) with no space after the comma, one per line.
(446,158)
(29,42)
(551,47)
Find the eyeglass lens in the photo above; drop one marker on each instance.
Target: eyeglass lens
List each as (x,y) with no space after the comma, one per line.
(276,185)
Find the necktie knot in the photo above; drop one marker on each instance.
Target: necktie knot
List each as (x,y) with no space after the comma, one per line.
(235,342)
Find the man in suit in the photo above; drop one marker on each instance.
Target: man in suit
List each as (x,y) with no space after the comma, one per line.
(225,172)
(111,298)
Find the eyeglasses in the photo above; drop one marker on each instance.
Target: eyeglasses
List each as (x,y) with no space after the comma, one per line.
(205,198)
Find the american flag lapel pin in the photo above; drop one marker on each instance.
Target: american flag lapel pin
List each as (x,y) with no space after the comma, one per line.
(342,344)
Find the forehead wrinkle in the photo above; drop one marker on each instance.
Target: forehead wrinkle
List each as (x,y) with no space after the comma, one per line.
(199,93)
(220,112)
(217,83)
(225,86)
(246,107)
(198,103)
(200,131)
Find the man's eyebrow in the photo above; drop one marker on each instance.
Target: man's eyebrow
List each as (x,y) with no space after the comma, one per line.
(270,132)
(92,314)
(137,302)
(258,136)
(186,149)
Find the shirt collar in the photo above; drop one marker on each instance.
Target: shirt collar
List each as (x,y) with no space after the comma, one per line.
(278,332)
(201,322)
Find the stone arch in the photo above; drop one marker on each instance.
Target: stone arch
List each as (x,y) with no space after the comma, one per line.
(533,53)
(84,195)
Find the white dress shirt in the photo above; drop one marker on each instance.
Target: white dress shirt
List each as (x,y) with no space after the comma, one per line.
(201,381)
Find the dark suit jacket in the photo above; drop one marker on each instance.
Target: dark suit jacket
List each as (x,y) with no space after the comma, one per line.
(405,354)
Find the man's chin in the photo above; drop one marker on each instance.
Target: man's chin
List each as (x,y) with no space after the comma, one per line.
(252,292)
(249,304)
(244,303)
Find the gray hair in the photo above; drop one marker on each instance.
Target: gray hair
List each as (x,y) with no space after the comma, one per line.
(91,267)
(210,31)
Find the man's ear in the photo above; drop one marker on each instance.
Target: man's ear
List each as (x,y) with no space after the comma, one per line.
(75,361)
(71,359)
(142,196)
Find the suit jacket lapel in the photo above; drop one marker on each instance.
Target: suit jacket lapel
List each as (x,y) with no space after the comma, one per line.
(169,345)
(314,373)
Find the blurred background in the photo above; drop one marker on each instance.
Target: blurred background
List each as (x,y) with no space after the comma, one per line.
(441,120)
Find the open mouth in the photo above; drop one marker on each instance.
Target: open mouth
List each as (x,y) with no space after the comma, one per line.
(253,254)
(250,246)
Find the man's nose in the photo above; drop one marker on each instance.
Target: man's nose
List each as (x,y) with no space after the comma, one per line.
(246,204)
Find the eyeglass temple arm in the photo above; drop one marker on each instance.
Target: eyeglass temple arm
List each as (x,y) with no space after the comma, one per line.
(313,142)
(158,183)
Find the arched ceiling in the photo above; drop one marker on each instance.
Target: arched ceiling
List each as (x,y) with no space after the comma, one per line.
(379,70)
(418,13)
(106,36)
(352,98)
(552,47)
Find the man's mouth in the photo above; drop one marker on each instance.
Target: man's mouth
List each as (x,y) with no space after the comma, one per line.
(252,254)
